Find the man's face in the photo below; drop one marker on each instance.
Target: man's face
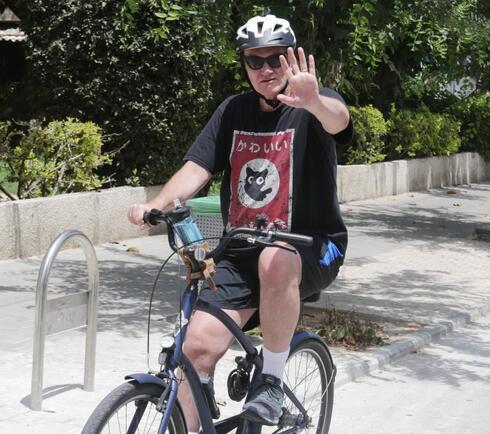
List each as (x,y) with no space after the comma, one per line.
(267,80)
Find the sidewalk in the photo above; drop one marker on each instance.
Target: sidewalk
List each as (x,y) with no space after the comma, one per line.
(411,258)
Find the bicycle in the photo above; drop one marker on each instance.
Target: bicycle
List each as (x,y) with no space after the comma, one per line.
(148,403)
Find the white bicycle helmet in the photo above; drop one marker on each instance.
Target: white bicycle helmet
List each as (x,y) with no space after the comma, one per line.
(260,32)
(268,31)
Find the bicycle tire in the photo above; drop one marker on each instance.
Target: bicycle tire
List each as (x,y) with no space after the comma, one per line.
(309,374)
(116,410)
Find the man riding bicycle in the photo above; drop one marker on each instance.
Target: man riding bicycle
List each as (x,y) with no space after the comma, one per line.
(276,148)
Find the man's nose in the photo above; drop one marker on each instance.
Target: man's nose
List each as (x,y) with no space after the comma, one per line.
(266,67)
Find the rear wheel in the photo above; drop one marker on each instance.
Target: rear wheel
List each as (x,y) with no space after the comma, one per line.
(309,373)
(131,408)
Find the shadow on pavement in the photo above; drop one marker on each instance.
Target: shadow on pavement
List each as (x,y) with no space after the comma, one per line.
(51,391)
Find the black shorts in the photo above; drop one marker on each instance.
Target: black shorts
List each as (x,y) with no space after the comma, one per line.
(237,280)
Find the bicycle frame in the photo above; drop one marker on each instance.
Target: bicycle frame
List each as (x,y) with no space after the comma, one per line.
(176,358)
(173,361)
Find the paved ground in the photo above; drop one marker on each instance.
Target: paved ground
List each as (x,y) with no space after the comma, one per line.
(411,258)
(444,388)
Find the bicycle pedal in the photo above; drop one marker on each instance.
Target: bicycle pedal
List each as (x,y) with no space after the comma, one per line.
(255,418)
(289,419)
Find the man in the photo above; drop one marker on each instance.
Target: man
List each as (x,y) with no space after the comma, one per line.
(276,148)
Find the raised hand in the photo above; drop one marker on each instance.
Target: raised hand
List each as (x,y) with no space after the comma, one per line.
(302,91)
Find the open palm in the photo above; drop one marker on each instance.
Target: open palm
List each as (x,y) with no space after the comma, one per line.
(302,91)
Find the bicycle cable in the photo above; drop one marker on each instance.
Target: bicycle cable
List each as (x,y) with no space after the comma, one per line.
(180,295)
(149,309)
(153,293)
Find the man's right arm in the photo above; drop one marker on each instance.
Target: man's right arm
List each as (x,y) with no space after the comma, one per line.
(186,182)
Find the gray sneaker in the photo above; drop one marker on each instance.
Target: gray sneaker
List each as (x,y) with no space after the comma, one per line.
(265,404)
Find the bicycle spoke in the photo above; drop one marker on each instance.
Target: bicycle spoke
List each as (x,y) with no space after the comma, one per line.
(155,414)
(307,378)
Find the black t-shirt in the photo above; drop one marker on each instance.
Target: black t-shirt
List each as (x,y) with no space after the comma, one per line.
(281,165)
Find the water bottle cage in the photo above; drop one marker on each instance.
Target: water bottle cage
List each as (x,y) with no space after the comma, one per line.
(205,269)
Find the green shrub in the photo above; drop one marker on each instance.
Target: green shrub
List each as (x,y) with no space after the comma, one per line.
(418,134)
(5,185)
(369,129)
(61,157)
(474,114)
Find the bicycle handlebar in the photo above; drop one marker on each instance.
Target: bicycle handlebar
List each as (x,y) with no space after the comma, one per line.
(155,217)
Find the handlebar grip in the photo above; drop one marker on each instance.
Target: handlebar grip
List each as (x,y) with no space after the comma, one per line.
(303,240)
(153,217)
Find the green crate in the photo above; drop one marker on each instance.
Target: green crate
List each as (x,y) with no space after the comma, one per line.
(207,213)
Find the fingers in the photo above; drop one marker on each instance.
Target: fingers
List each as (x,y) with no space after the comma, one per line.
(285,67)
(294,67)
(288,100)
(311,62)
(303,67)
(292,61)
(135,214)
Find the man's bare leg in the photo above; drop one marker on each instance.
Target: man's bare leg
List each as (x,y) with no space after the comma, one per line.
(206,342)
(280,276)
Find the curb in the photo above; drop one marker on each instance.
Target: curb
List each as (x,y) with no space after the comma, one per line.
(409,344)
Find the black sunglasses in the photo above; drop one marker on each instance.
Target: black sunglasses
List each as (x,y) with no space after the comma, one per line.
(257,62)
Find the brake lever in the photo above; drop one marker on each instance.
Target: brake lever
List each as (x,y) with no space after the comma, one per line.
(264,242)
(288,248)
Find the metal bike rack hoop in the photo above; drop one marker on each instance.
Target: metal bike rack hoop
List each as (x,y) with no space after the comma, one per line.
(65,313)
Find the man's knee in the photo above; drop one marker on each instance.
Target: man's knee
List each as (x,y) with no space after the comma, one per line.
(203,357)
(279,268)
(206,342)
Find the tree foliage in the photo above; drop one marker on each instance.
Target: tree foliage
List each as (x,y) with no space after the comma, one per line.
(142,73)
(149,72)
(401,51)
(384,51)
(474,115)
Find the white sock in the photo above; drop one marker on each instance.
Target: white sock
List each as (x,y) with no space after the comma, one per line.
(274,363)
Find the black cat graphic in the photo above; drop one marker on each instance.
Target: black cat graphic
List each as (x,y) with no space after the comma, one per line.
(254,182)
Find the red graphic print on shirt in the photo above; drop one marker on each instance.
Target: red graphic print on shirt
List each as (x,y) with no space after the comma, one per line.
(261,178)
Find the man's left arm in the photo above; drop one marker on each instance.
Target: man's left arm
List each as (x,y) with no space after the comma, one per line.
(303,92)
(332,114)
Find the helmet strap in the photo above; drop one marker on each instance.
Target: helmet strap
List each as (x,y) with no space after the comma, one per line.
(272,102)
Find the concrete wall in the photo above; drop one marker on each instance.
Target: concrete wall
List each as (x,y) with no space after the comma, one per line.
(28,227)
(358,182)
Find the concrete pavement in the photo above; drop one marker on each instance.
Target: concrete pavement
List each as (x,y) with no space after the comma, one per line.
(444,388)
(411,258)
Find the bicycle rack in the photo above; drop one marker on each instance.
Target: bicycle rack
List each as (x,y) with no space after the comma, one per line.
(65,313)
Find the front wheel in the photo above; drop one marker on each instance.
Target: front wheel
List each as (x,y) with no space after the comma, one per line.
(131,408)
(309,373)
